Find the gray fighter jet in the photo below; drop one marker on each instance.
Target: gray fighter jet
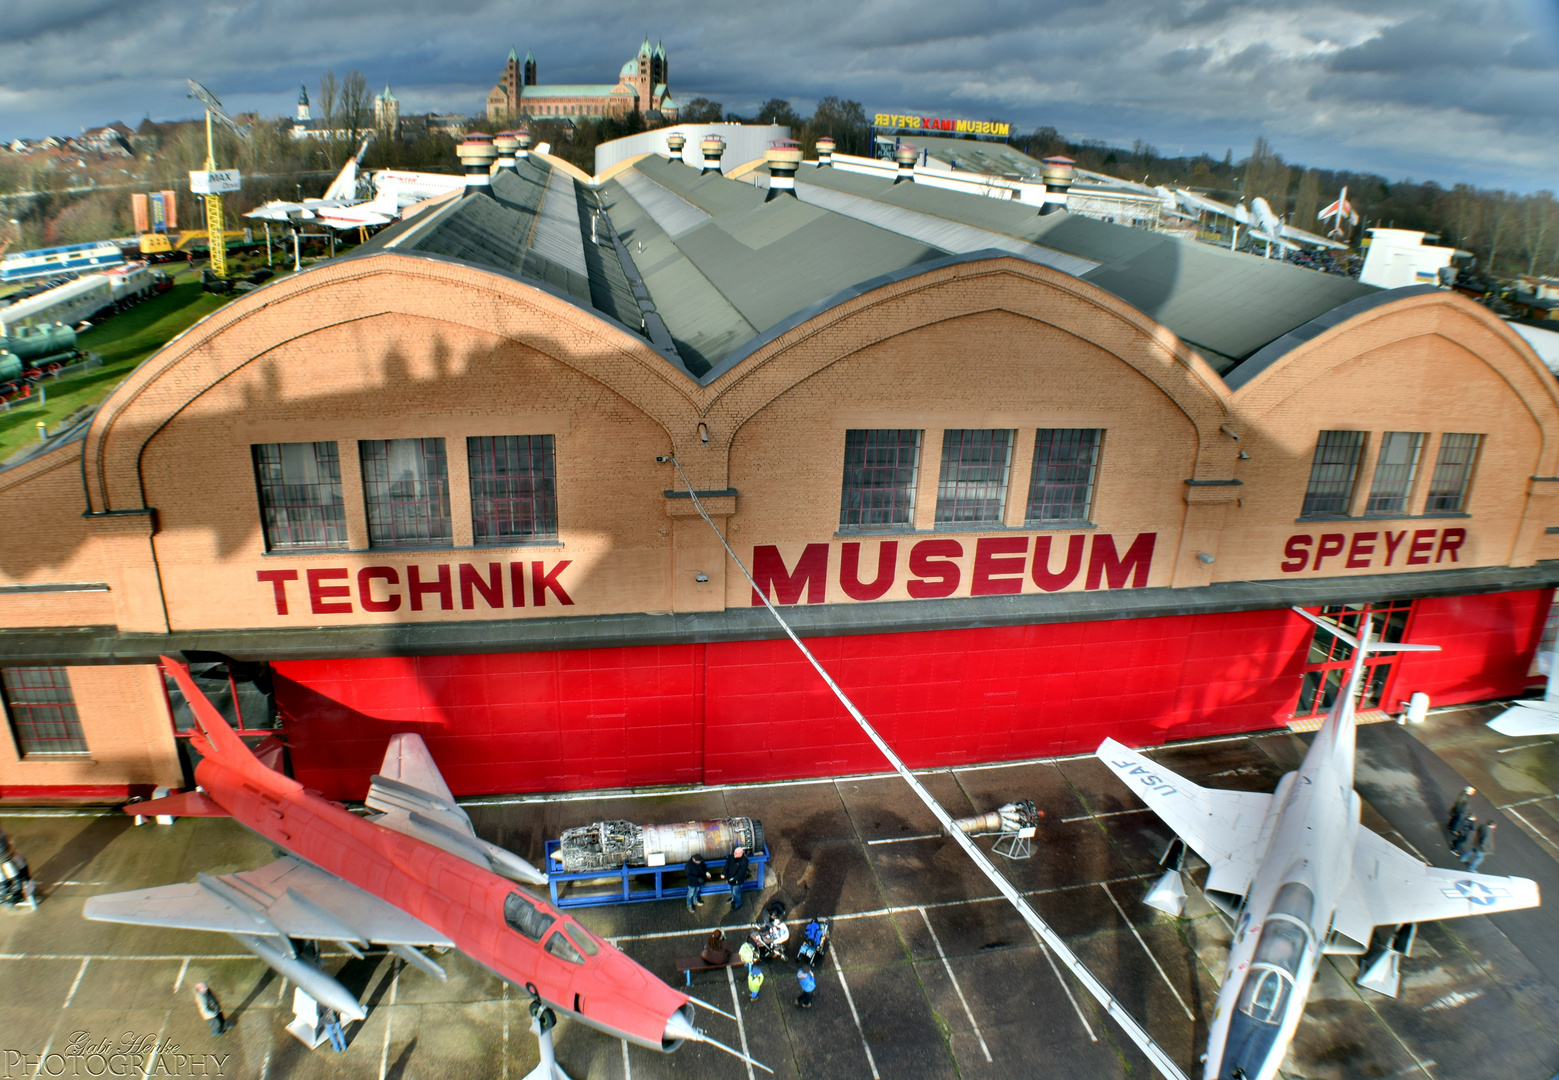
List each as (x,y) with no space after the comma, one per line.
(1301,878)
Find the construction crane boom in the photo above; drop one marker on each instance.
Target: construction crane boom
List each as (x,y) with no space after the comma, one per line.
(212,182)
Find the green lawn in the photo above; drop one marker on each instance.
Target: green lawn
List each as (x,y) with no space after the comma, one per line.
(123,341)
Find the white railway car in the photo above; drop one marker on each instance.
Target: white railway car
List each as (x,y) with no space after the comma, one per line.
(69,304)
(131,283)
(46,262)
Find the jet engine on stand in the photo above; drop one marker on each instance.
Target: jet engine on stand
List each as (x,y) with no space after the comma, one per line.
(609,845)
(1015,822)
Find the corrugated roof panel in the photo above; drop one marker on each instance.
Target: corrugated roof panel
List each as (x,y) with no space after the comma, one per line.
(703,323)
(557,235)
(674,214)
(951,236)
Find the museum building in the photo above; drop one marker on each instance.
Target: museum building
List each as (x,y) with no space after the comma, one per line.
(1022,481)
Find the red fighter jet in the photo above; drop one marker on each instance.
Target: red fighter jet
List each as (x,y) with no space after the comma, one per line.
(412,876)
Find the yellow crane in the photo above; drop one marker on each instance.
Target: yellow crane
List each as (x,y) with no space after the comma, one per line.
(211,181)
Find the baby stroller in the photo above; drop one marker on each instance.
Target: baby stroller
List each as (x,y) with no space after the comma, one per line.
(770,937)
(814,942)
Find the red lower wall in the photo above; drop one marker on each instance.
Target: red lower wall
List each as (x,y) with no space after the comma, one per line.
(738,711)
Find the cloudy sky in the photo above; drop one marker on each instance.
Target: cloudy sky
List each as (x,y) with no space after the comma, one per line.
(1450,90)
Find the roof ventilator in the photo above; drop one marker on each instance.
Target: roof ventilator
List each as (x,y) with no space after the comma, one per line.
(713,148)
(1059,174)
(825,151)
(506,143)
(906,155)
(674,144)
(476,153)
(783,158)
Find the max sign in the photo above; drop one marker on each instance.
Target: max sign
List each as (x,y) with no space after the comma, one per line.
(934,568)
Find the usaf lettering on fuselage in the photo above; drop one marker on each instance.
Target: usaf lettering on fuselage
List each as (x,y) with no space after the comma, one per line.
(1148,780)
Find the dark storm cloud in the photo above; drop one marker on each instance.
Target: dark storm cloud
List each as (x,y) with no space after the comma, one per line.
(1396,86)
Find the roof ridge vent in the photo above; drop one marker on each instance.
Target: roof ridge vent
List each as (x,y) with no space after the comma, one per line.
(783,158)
(506,143)
(1059,174)
(674,144)
(825,151)
(712,147)
(906,155)
(476,153)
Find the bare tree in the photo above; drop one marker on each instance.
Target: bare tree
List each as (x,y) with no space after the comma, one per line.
(1308,200)
(356,107)
(325,117)
(1540,217)
(1500,215)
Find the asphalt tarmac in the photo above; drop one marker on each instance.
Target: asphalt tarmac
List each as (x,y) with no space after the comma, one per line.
(932,974)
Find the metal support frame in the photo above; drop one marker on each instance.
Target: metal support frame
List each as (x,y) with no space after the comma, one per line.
(641,884)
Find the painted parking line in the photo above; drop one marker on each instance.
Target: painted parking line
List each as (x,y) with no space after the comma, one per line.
(1161,972)
(1107,813)
(389,1019)
(1533,829)
(986,1050)
(627,1068)
(82,970)
(184,967)
(877,913)
(741,1024)
(1078,1009)
(850,1001)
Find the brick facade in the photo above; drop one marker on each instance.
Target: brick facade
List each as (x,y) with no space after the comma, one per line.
(386,347)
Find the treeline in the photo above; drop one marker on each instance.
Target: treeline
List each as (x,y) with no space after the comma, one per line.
(1508,233)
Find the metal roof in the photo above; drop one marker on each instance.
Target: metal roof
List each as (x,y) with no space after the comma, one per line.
(705,270)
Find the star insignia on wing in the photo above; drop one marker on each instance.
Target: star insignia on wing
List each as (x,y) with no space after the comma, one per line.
(1476,892)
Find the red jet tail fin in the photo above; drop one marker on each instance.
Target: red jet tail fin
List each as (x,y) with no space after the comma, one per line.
(220,737)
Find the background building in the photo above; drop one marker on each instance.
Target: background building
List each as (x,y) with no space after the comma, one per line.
(642,84)
(1024,481)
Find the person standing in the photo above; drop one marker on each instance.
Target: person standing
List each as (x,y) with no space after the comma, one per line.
(697,874)
(210,1008)
(736,873)
(808,983)
(748,955)
(332,1021)
(1465,828)
(1482,847)
(754,982)
(1459,810)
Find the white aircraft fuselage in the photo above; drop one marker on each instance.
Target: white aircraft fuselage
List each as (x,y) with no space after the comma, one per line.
(1310,833)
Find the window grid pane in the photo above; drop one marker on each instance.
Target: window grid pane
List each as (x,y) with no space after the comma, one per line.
(880,470)
(1066,461)
(1452,472)
(1333,473)
(514,490)
(42,710)
(406,484)
(300,495)
(975,466)
(1394,472)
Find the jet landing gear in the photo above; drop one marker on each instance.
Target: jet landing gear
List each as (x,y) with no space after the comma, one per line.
(1168,893)
(1380,968)
(542,1021)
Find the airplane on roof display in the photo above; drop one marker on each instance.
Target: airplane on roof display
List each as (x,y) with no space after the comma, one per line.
(340,194)
(1302,878)
(1258,218)
(1340,211)
(411,876)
